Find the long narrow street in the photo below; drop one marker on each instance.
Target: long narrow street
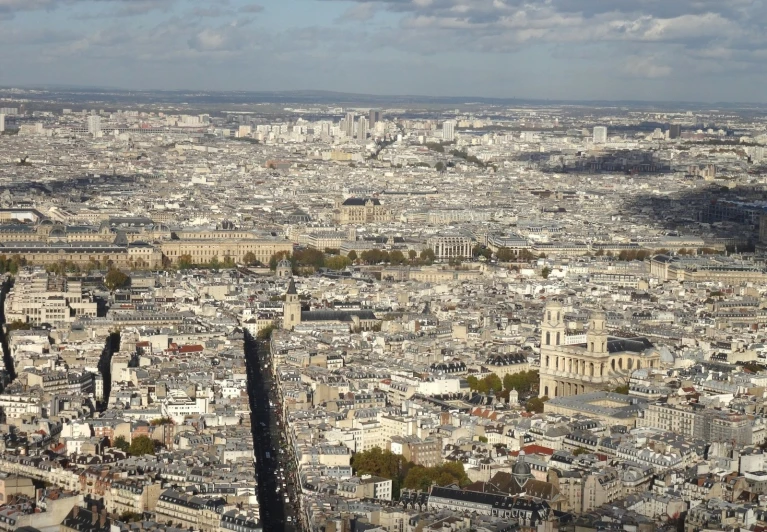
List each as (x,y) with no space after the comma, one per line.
(276,495)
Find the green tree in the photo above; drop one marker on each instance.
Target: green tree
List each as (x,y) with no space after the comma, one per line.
(482,439)
(352,256)
(412,255)
(266,332)
(526,254)
(579,451)
(121,443)
(505,254)
(536,404)
(277,257)
(481,251)
(185,262)
(116,279)
(397,257)
(337,262)
(439,167)
(546,272)
(18,325)
(428,256)
(494,383)
(623,389)
(249,258)
(522,382)
(309,258)
(130,517)
(141,445)
(473,383)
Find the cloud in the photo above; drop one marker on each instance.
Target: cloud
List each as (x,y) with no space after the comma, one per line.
(645,67)
(251,8)
(359,13)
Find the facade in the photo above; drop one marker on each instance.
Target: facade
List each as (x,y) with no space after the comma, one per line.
(600,135)
(448,130)
(703,269)
(361,211)
(601,363)
(40,299)
(695,421)
(447,247)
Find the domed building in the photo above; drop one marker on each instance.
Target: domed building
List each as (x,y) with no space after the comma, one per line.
(284,269)
(521,472)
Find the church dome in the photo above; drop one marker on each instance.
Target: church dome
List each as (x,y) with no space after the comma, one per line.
(521,471)
(522,468)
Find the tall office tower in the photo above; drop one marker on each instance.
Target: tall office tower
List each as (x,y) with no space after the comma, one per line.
(349,124)
(448,130)
(94,125)
(600,135)
(362,128)
(675,131)
(375,117)
(2,123)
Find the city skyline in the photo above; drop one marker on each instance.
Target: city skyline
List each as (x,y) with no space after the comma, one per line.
(691,51)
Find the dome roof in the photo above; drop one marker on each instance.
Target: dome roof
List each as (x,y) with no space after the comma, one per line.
(521,468)
(284,263)
(521,471)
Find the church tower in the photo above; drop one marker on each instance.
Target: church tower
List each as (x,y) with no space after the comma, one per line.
(291,310)
(596,338)
(553,326)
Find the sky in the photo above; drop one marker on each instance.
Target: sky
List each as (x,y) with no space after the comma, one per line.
(661,50)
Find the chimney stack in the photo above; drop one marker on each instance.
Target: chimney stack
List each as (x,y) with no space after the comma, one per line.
(103,519)
(75,511)
(94,514)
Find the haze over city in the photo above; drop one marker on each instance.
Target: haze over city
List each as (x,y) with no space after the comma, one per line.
(685,50)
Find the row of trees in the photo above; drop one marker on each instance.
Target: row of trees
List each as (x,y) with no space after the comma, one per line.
(405,474)
(185,262)
(310,260)
(523,382)
(11,264)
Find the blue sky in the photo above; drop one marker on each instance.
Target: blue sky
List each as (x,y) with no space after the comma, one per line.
(696,50)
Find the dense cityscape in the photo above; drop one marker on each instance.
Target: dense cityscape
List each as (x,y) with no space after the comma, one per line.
(330,312)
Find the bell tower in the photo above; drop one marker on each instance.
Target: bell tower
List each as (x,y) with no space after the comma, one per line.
(291,310)
(553,325)
(596,338)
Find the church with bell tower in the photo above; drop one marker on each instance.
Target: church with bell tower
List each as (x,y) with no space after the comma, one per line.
(572,364)
(291,314)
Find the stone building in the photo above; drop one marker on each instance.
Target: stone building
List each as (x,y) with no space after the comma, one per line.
(602,362)
(362,210)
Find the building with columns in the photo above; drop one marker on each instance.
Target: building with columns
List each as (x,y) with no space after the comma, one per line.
(450,246)
(600,363)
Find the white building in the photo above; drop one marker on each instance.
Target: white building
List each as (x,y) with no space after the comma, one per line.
(600,135)
(94,125)
(448,130)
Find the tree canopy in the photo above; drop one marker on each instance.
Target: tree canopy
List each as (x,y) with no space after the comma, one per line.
(116,279)
(141,445)
(121,443)
(536,404)
(406,474)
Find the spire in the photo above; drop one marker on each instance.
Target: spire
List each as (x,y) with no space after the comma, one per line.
(292,288)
